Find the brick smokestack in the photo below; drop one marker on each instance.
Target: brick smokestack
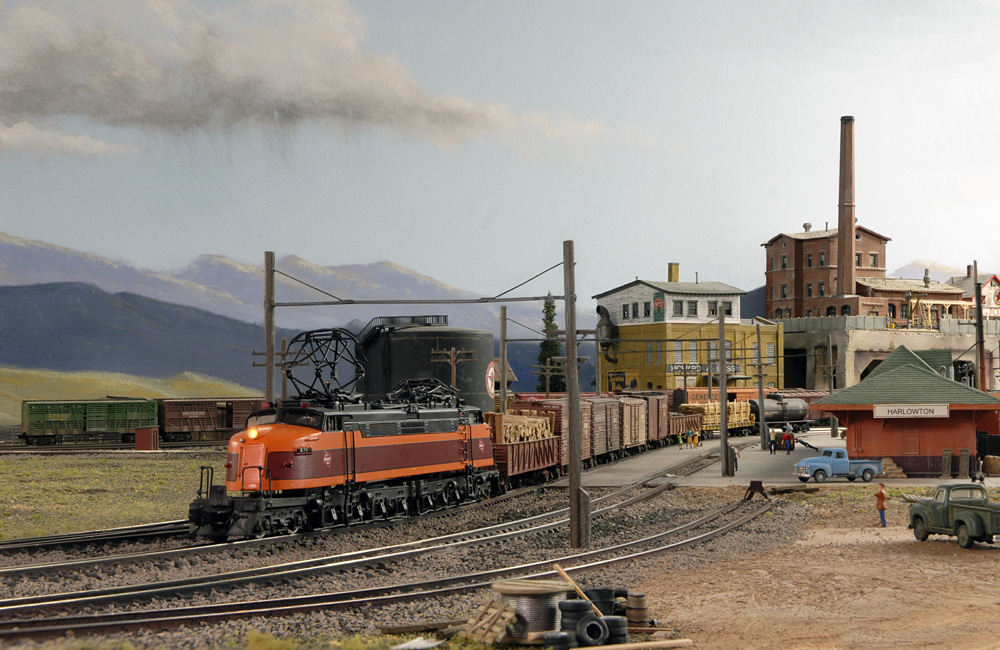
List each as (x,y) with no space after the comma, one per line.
(845,221)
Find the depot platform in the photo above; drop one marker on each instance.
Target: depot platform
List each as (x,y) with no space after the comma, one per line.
(754,464)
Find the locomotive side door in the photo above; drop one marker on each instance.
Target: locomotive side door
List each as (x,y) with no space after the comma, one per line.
(352,431)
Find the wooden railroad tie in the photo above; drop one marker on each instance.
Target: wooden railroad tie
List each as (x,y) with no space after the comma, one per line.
(489,623)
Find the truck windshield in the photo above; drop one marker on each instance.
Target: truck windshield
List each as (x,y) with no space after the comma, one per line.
(828,452)
(968,494)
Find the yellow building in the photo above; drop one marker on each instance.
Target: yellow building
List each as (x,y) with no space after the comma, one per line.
(666,335)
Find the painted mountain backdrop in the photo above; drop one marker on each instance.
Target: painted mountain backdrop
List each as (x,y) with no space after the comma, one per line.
(68,311)
(228,288)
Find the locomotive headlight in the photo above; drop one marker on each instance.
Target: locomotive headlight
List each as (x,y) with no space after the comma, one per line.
(253,432)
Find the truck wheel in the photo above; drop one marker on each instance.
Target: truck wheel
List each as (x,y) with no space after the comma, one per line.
(803,428)
(819,476)
(920,529)
(804,479)
(964,539)
(867,475)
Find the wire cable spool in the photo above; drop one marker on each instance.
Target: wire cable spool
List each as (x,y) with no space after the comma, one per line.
(537,603)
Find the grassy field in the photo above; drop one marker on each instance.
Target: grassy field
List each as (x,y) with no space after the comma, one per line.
(45,495)
(19,384)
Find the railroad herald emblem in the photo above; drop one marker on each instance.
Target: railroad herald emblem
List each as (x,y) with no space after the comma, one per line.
(327,459)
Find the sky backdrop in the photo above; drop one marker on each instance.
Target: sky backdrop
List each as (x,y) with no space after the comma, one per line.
(467,140)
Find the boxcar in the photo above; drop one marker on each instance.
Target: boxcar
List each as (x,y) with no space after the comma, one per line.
(186,419)
(47,422)
(633,423)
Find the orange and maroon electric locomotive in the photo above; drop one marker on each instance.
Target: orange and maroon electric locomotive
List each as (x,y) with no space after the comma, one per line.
(328,458)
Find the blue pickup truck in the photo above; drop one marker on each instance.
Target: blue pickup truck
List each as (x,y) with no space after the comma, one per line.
(834,463)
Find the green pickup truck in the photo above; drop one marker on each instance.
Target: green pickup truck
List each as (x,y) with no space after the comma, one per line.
(962,509)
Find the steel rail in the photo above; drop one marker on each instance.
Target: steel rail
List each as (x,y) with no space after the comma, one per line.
(106,535)
(338,563)
(48,628)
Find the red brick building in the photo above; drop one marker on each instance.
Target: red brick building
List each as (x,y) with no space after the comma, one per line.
(906,411)
(802,274)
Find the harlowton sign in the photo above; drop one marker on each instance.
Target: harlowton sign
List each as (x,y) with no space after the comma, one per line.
(911,410)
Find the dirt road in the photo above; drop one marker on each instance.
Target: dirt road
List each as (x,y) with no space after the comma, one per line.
(846,583)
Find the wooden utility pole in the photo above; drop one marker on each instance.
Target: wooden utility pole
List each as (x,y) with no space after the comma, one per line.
(723,397)
(761,420)
(453,357)
(503,358)
(269,326)
(548,370)
(980,334)
(579,513)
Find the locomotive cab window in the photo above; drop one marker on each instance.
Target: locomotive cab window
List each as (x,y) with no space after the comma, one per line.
(308,419)
(262,417)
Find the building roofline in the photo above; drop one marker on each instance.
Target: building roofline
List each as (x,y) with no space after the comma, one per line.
(830,233)
(687,288)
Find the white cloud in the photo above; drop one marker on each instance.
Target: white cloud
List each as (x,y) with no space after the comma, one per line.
(26,138)
(172,66)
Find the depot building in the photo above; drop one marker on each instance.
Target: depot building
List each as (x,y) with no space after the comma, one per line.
(905,411)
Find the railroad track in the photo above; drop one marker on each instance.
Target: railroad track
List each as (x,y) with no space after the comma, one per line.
(70,449)
(345,562)
(124,534)
(59,623)
(181,528)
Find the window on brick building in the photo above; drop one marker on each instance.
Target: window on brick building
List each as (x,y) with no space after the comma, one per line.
(784,261)
(845,310)
(809,313)
(784,291)
(831,311)
(822,258)
(809,291)
(857,259)
(809,260)
(822,289)
(873,260)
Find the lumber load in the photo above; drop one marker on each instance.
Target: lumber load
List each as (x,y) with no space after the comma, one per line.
(513,427)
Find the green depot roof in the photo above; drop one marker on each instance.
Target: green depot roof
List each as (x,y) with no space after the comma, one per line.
(903,355)
(908,384)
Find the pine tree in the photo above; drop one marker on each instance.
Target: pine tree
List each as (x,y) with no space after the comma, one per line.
(550,347)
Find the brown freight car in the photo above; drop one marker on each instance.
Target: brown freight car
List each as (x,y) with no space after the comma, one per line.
(633,423)
(605,428)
